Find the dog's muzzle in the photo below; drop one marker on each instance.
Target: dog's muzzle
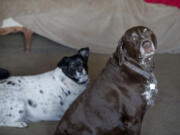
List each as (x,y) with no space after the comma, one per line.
(148,46)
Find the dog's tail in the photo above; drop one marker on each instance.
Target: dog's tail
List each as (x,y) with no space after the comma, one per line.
(4,74)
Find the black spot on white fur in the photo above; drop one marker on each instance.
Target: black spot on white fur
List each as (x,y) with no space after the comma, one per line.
(20,111)
(30,102)
(10,83)
(61,103)
(66,94)
(60,97)
(69,92)
(62,79)
(64,91)
(41,91)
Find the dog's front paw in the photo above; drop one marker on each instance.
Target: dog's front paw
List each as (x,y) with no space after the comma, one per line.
(22,125)
(14,124)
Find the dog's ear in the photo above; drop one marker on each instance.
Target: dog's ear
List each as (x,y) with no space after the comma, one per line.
(64,62)
(119,54)
(154,39)
(84,52)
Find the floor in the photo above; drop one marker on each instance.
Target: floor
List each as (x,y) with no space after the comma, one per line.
(162,119)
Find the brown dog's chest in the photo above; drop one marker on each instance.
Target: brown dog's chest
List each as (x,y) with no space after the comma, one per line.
(150,91)
(140,81)
(119,97)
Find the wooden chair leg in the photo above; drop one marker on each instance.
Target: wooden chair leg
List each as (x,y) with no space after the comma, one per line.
(27,34)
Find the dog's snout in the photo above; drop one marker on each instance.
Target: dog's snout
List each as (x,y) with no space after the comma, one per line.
(80,69)
(147,44)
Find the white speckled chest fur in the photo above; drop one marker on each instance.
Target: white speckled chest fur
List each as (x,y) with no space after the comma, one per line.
(150,90)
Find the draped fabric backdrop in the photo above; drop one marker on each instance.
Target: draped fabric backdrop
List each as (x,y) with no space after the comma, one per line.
(98,24)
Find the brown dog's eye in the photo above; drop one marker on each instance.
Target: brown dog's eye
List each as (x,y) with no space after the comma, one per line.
(147,33)
(134,37)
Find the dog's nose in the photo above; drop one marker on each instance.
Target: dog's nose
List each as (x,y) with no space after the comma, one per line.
(80,69)
(146,44)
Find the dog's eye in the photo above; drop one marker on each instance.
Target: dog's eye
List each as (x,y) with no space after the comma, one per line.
(147,33)
(134,37)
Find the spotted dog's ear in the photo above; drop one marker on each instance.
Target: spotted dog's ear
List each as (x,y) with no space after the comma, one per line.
(119,54)
(64,62)
(84,52)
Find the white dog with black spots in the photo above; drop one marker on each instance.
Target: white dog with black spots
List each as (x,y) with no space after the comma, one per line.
(43,97)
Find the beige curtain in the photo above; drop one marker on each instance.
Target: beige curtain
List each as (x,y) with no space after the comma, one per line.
(98,24)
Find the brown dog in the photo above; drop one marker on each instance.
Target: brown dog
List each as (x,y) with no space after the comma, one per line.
(119,98)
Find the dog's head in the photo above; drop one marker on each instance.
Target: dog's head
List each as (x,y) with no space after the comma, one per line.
(137,44)
(75,67)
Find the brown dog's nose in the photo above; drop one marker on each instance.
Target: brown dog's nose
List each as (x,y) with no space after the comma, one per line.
(146,44)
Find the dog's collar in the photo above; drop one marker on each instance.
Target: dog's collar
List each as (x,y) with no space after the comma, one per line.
(138,70)
(133,65)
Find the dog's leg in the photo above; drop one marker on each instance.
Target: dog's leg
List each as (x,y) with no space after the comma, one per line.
(12,110)
(28,35)
(14,124)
